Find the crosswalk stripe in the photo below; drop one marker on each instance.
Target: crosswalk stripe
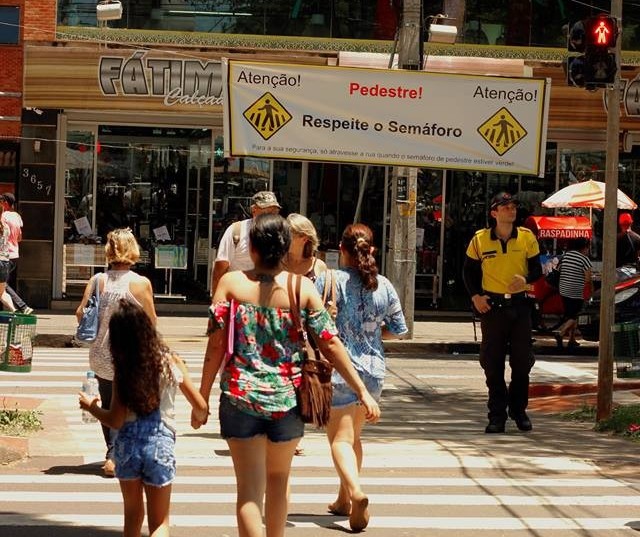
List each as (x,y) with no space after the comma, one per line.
(326,521)
(325,498)
(441,482)
(393,461)
(562,370)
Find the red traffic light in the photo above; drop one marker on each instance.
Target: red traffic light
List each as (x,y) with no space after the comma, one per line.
(601,32)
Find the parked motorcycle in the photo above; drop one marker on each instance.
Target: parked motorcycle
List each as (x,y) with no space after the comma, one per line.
(626,299)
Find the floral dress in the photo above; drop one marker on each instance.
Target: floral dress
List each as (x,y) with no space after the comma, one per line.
(262,375)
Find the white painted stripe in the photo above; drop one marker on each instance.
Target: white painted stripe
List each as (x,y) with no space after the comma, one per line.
(394,460)
(40,383)
(466,500)
(447,376)
(440,482)
(315,521)
(562,370)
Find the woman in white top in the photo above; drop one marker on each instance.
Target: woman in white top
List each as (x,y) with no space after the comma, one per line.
(5,264)
(122,252)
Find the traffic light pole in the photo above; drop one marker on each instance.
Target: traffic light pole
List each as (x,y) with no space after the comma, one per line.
(401,262)
(610,231)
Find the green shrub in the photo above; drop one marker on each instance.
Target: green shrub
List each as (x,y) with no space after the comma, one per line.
(624,420)
(16,422)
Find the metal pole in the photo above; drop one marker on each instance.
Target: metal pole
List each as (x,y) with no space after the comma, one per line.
(402,244)
(607,292)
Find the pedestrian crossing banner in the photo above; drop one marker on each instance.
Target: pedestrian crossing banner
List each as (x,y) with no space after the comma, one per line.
(385,117)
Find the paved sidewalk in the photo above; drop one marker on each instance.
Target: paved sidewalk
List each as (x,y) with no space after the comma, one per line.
(448,336)
(430,338)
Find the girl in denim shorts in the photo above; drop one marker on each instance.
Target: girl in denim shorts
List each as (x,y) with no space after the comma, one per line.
(142,408)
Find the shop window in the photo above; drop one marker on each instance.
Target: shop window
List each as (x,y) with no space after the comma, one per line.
(235,181)
(9,25)
(154,180)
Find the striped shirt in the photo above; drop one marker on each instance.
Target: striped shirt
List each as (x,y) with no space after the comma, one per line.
(572,270)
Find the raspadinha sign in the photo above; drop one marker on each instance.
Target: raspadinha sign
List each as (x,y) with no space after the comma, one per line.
(385,117)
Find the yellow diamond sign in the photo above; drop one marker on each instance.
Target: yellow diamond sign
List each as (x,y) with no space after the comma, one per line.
(267,115)
(502,131)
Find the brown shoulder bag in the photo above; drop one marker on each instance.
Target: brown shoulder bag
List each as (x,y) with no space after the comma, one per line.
(315,390)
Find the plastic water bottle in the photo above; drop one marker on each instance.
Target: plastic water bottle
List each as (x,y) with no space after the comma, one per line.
(90,387)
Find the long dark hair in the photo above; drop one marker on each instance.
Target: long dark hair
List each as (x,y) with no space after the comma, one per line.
(138,357)
(270,236)
(357,240)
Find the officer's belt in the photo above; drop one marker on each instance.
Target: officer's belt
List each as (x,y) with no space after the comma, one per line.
(501,300)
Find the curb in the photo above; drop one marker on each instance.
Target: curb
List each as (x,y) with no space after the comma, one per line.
(418,347)
(551,390)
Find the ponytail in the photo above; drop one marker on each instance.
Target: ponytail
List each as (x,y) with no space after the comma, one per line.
(357,240)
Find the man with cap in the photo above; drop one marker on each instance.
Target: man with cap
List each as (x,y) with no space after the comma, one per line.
(501,262)
(628,242)
(233,252)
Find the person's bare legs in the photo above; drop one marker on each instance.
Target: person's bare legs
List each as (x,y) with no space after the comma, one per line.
(133,507)
(249,460)
(279,456)
(344,430)
(158,506)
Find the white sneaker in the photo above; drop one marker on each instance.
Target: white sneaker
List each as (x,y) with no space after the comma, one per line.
(27,310)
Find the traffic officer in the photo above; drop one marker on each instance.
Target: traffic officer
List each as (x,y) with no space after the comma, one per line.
(501,262)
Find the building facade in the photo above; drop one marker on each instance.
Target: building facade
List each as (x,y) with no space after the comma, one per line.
(122,126)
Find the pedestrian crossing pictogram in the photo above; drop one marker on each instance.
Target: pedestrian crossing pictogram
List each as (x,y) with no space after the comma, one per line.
(267,115)
(502,131)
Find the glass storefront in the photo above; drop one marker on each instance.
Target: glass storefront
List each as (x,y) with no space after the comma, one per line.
(537,23)
(160,182)
(155,181)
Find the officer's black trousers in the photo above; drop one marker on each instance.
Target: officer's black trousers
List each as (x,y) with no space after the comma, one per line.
(507,330)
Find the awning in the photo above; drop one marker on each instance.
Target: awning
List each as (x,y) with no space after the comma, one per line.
(559,227)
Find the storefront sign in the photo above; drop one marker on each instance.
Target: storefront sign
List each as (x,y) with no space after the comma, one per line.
(385,117)
(116,80)
(177,81)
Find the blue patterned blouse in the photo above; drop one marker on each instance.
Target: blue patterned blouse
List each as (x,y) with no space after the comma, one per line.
(361,317)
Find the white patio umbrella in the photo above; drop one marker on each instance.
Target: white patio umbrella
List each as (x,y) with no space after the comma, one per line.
(586,194)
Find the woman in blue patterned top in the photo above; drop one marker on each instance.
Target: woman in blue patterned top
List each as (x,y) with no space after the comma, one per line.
(369,311)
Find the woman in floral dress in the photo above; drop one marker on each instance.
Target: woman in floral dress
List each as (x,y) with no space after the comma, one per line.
(258,413)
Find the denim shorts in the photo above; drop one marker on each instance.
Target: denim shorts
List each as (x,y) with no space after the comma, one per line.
(344,396)
(235,423)
(5,269)
(145,449)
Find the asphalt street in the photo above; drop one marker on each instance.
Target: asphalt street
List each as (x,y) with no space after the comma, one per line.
(429,468)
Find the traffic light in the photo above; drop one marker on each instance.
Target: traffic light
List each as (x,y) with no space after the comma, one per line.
(594,38)
(600,32)
(601,35)
(575,64)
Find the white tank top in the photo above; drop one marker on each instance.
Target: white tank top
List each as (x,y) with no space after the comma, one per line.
(116,287)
